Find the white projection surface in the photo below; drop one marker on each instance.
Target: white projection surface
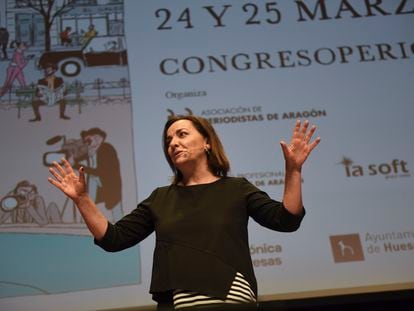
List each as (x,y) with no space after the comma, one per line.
(252,68)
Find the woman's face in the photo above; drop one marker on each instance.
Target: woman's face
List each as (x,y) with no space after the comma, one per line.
(185,144)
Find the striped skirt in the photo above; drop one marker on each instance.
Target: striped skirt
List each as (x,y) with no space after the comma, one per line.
(240,292)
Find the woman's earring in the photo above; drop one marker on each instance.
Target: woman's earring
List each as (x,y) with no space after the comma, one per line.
(207,151)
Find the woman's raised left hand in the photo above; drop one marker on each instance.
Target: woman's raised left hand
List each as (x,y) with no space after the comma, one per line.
(300,146)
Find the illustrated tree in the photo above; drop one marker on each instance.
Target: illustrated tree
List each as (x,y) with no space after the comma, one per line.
(49,10)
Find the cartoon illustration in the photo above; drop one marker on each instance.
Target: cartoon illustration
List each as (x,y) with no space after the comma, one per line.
(50,90)
(88,35)
(4,41)
(48,11)
(97,51)
(77,45)
(69,59)
(74,150)
(65,37)
(103,172)
(101,163)
(15,68)
(24,205)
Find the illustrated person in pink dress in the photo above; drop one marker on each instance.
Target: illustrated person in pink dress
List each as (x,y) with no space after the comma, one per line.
(15,69)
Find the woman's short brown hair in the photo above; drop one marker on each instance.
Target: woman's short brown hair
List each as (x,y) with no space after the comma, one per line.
(217,160)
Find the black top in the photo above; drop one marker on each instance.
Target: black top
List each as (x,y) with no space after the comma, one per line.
(201,234)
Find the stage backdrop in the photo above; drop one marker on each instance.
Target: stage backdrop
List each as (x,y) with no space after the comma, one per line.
(252,68)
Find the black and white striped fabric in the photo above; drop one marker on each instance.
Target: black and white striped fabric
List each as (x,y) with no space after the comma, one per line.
(240,292)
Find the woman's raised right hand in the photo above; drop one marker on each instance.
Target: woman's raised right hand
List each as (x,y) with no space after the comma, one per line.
(67,180)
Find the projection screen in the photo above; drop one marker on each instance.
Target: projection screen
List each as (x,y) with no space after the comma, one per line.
(252,68)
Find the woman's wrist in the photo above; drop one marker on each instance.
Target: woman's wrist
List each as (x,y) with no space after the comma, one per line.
(82,199)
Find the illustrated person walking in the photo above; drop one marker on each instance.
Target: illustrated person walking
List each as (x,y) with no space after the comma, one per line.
(4,41)
(15,69)
(202,254)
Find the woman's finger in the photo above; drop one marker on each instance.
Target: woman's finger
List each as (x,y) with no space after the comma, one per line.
(55,174)
(55,183)
(305,127)
(67,166)
(284,148)
(296,129)
(309,135)
(59,168)
(82,176)
(314,143)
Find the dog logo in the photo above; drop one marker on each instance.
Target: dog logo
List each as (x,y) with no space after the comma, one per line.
(346,248)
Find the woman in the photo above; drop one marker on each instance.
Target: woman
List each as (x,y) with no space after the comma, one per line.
(202,254)
(15,68)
